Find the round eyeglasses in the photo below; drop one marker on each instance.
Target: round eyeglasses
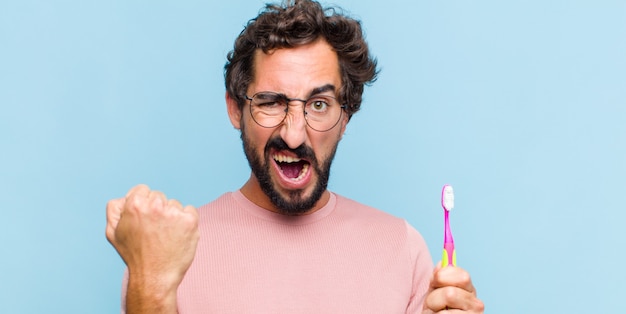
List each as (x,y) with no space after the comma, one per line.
(321,112)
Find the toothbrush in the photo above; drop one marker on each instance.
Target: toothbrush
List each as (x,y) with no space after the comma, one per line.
(447,202)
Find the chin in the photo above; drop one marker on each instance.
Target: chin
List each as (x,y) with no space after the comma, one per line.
(295,202)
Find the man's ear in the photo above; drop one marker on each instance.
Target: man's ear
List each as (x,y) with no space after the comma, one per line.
(234,113)
(344,123)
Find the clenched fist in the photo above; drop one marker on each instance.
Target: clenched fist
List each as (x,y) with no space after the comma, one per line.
(157,239)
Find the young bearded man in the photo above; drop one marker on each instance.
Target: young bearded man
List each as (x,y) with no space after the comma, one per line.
(283,243)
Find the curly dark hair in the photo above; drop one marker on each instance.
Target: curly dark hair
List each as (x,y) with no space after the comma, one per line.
(295,23)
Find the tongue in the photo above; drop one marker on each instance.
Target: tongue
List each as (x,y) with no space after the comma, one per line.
(291,170)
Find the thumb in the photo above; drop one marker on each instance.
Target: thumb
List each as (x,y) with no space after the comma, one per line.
(438,266)
(114,212)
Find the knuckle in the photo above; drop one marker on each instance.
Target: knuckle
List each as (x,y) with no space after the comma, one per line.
(135,202)
(465,278)
(141,187)
(110,234)
(175,203)
(450,293)
(158,194)
(112,204)
(190,220)
(190,211)
(479,305)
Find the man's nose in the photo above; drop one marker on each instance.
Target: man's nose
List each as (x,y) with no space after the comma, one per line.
(294,128)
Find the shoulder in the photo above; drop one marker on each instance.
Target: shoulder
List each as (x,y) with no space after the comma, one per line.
(374,218)
(371,219)
(351,208)
(225,199)
(220,208)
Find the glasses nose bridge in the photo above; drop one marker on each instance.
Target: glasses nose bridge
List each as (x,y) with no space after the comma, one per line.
(290,100)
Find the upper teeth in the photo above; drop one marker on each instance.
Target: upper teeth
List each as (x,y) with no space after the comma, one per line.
(283,158)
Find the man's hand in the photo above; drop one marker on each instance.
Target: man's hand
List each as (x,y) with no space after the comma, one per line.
(452,291)
(157,239)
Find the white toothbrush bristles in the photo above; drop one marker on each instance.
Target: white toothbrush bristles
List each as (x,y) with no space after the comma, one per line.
(447,198)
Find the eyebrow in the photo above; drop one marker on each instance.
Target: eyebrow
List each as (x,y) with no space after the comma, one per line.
(322,89)
(316,91)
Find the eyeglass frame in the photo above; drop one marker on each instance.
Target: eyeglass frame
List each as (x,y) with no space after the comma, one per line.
(304,112)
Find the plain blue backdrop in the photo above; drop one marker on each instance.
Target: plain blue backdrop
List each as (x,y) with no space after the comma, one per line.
(520,105)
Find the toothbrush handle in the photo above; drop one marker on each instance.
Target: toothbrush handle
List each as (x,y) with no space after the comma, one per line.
(449,255)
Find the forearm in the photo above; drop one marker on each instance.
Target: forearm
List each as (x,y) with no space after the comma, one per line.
(150,296)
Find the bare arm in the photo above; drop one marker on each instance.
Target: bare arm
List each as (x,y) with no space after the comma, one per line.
(157,240)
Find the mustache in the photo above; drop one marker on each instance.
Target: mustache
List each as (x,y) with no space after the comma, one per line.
(301,151)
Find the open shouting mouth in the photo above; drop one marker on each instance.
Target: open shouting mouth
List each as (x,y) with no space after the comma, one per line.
(294,172)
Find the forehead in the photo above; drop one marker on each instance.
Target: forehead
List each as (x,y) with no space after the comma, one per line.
(296,71)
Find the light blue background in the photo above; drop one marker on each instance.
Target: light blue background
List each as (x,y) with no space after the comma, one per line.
(521,105)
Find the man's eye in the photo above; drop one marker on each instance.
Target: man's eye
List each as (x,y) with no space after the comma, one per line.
(319,105)
(268,104)
(268,101)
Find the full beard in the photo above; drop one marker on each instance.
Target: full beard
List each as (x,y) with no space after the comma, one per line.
(294,202)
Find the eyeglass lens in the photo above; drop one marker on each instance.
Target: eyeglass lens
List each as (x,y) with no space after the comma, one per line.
(322,112)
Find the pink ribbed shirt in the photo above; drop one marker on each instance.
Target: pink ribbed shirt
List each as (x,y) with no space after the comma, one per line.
(344,258)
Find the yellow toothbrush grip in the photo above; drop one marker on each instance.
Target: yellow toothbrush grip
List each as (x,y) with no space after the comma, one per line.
(446,259)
